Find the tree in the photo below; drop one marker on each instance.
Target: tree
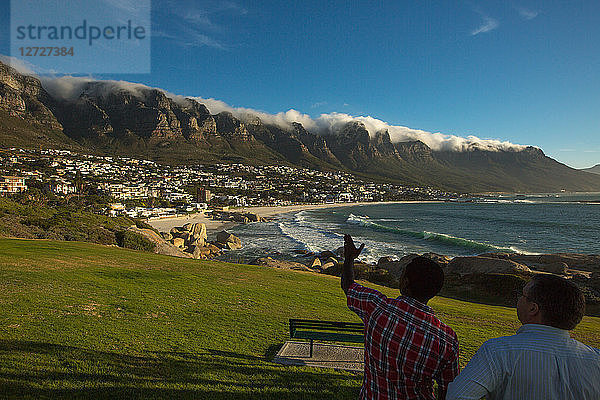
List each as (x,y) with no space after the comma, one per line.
(78,182)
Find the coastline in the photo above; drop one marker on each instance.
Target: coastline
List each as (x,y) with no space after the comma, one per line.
(214,226)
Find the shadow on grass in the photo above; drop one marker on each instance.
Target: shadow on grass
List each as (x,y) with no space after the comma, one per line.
(44,370)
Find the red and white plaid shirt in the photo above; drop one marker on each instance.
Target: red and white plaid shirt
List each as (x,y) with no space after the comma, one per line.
(406,346)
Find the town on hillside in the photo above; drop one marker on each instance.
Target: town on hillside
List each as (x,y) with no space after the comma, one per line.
(147,189)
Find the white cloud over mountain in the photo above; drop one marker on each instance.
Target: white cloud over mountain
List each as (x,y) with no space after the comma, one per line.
(70,87)
(333,122)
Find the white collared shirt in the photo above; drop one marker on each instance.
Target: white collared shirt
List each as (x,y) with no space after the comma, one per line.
(539,362)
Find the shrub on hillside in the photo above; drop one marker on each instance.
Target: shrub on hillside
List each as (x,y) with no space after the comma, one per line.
(11,226)
(143,225)
(134,240)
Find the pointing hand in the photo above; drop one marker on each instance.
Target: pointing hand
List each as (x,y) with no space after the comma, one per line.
(350,250)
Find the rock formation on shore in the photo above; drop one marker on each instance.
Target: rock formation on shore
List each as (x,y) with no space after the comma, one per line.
(237,216)
(192,240)
(491,277)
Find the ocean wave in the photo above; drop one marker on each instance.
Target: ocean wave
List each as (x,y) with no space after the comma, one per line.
(432,236)
(300,217)
(495,201)
(357,218)
(311,237)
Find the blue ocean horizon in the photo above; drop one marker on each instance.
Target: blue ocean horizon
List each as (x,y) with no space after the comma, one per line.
(528,224)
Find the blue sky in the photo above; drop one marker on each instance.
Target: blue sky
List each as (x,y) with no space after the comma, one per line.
(520,71)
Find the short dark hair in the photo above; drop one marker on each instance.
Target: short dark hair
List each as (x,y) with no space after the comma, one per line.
(425,277)
(561,302)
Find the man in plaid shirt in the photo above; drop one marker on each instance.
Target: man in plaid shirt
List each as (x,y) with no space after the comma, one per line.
(406,346)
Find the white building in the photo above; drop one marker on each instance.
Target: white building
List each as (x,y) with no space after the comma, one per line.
(12,184)
(62,187)
(125,192)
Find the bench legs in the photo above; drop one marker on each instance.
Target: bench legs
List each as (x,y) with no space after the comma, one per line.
(311,347)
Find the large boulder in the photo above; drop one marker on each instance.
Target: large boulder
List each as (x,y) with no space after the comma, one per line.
(166,235)
(199,231)
(384,260)
(176,232)
(396,267)
(213,249)
(485,265)
(252,217)
(233,246)
(228,240)
(332,260)
(442,260)
(224,236)
(280,264)
(187,237)
(327,254)
(162,246)
(239,217)
(558,268)
(553,263)
(179,242)
(316,263)
(200,252)
(197,242)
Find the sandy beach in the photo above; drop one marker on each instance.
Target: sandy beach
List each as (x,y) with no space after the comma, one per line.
(214,226)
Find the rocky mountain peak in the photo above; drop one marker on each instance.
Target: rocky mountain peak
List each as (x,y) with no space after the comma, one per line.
(23,96)
(534,151)
(19,82)
(157,98)
(414,151)
(355,131)
(251,119)
(382,142)
(192,106)
(228,125)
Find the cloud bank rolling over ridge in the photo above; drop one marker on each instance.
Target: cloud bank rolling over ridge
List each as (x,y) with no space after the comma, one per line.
(70,88)
(334,122)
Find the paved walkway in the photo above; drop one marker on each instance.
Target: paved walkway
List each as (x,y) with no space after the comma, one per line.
(350,358)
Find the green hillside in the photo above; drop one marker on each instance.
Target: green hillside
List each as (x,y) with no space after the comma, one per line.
(27,134)
(82,320)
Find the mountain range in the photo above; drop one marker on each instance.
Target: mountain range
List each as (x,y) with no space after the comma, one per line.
(148,123)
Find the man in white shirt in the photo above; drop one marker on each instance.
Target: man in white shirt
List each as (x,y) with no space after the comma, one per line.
(540,362)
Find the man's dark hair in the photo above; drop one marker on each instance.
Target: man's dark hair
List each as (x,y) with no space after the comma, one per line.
(425,277)
(561,302)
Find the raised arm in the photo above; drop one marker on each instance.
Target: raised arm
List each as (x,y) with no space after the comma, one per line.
(350,254)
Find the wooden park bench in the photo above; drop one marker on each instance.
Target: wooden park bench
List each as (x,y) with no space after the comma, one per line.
(331,331)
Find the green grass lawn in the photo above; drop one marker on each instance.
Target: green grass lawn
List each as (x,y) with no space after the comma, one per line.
(80,320)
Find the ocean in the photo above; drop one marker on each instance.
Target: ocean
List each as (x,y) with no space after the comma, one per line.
(530,224)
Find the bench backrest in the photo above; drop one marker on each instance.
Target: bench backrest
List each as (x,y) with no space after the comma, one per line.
(316,325)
